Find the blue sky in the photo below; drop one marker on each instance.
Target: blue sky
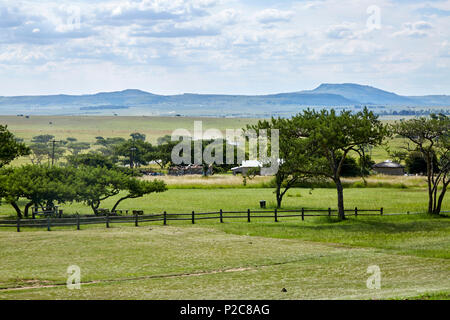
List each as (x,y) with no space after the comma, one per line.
(218,46)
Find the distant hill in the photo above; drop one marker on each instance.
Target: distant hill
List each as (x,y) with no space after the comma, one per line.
(133,101)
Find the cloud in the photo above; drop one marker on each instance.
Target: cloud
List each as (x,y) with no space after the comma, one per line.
(228,46)
(417,29)
(341,31)
(273,15)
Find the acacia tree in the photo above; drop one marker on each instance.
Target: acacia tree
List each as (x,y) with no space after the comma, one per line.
(10,147)
(430,137)
(288,173)
(133,152)
(325,138)
(94,185)
(40,185)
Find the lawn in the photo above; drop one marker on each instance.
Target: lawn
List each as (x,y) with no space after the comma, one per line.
(319,258)
(203,262)
(393,200)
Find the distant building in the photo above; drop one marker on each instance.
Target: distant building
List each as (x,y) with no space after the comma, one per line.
(246,166)
(190,170)
(389,168)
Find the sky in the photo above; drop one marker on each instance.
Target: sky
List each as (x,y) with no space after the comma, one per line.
(223,46)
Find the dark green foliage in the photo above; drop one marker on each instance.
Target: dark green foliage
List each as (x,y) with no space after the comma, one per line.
(97,184)
(91,160)
(10,147)
(134,152)
(45,138)
(138,136)
(41,185)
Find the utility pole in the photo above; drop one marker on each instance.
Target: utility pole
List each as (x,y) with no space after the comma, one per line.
(53,150)
(132,150)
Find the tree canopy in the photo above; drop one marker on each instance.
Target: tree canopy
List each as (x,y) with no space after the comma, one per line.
(10,147)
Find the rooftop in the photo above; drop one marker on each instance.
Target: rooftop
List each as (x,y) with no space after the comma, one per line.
(388,164)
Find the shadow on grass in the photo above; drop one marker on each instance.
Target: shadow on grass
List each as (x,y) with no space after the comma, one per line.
(386,225)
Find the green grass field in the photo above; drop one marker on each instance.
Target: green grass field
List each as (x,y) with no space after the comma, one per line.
(232,261)
(319,258)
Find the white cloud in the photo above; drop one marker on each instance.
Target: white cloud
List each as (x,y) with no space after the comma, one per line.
(216,45)
(273,15)
(417,29)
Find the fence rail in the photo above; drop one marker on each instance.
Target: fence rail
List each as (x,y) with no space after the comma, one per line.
(79,220)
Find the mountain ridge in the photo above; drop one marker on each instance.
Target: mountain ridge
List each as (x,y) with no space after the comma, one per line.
(325,95)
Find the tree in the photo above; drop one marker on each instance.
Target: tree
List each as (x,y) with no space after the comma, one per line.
(10,148)
(161,154)
(44,138)
(417,164)
(42,148)
(108,145)
(40,185)
(134,152)
(397,155)
(288,173)
(431,137)
(77,147)
(138,188)
(95,185)
(325,139)
(90,160)
(138,136)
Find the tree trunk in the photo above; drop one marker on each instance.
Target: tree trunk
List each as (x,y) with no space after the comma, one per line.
(430,183)
(340,194)
(118,202)
(441,199)
(27,207)
(95,207)
(16,207)
(279,196)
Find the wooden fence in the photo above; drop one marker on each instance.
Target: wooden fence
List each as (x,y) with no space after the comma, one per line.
(138,217)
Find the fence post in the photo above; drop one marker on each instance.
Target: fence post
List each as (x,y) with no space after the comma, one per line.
(34,212)
(165,218)
(381,211)
(18,224)
(193,217)
(356,211)
(136,222)
(48,223)
(221,216)
(276,215)
(78,221)
(303,214)
(248,215)
(329,212)
(107,220)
